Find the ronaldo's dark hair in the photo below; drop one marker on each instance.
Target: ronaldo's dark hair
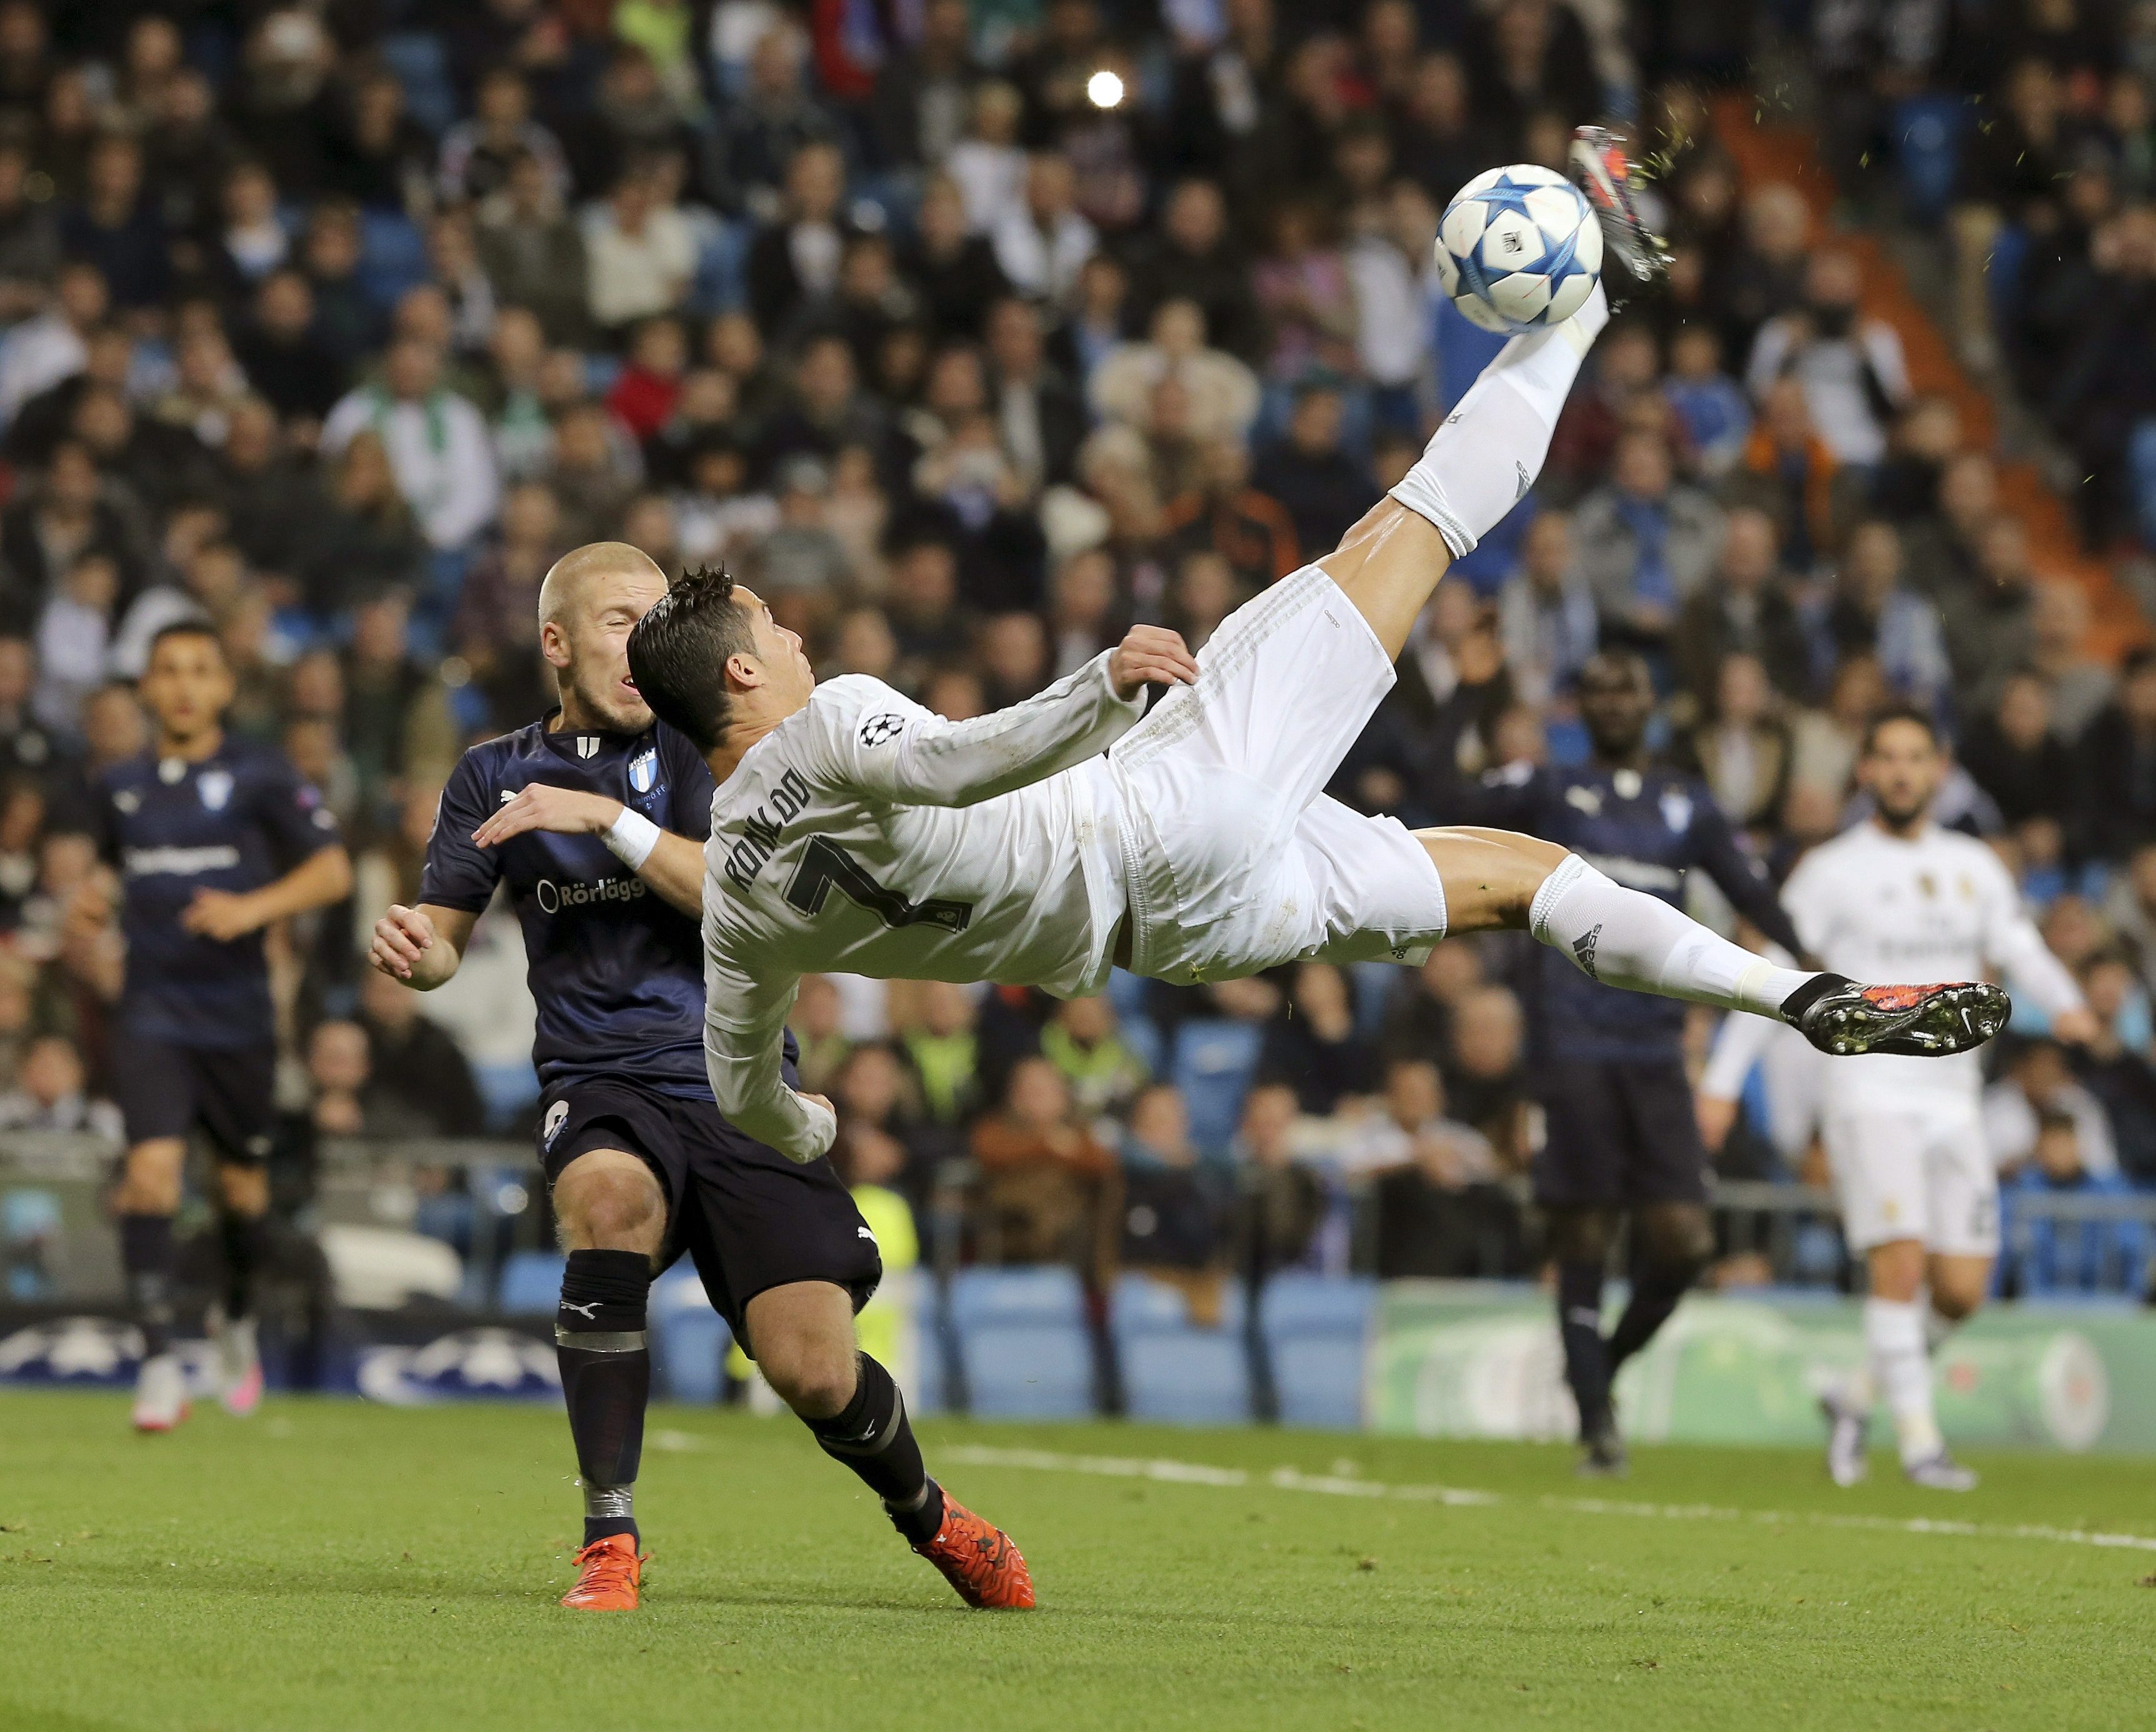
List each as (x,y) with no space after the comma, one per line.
(678,652)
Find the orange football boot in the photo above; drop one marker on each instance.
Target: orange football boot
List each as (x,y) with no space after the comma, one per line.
(609,1570)
(979,1562)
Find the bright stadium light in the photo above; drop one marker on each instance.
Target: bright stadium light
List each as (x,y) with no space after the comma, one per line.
(1104,90)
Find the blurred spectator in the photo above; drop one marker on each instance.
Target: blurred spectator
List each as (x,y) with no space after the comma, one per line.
(1849,365)
(944,1050)
(2018,759)
(436,442)
(1484,1073)
(2038,1086)
(2117,760)
(2114,1066)
(1742,749)
(49,1094)
(1439,1213)
(2047,1256)
(423,1083)
(640,253)
(1043,242)
(1742,610)
(1172,1209)
(1049,1191)
(1644,543)
(1873,613)
(1322,488)
(1312,1045)
(1546,614)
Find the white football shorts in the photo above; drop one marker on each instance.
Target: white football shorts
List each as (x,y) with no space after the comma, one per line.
(1234,858)
(1918,1171)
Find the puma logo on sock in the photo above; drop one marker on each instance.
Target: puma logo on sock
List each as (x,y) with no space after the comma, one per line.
(590,1313)
(1583,950)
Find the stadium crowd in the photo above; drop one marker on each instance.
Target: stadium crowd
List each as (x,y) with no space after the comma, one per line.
(970,333)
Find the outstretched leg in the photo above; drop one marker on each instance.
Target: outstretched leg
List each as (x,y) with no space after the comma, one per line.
(1478,467)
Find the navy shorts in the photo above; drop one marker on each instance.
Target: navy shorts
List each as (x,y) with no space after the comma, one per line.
(166,1090)
(747,1216)
(1621,1135)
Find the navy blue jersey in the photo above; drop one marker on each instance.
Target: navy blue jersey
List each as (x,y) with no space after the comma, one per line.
(617,973)
(1645,830)
(239,819)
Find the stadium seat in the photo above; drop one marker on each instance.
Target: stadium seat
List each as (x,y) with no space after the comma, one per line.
(1928,152)
(1213,1061)
(1023,1346)
(392,255)
(507,1086)
(928,1389)
(689,1339)
(417,59)
(531,1283)
(1315,1329)
(1174,1369)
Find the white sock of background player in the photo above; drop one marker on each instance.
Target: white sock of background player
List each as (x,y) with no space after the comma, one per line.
(1901,1373)
(1627,938)
(1482,461)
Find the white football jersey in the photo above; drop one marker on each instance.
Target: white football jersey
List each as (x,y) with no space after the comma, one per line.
(1938,907)
(867,835)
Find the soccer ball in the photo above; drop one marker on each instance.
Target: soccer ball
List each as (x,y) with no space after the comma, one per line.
(1518,249)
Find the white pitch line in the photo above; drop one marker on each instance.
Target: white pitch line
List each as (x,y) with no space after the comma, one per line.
(1177,1472)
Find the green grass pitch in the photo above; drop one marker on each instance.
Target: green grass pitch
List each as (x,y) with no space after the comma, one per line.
(330,1565)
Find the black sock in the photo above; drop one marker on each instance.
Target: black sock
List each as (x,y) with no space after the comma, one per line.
(246,1240)
(606,1379)
(874,1437)
(1655,1296)
(1580,1325)
(146,1260)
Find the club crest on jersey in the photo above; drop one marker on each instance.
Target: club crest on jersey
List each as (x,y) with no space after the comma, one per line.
(1676,811)
(215,787)
(877,729)
(644,770)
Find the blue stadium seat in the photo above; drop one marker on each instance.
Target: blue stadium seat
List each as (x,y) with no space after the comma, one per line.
(1928,152)
(1314,1328)
(1175,1370)
(1213,1061)
(1022,1343)
(507,1086)
(931,1383)
(417,59)
(531,1283)
(689,1339)
(392,255)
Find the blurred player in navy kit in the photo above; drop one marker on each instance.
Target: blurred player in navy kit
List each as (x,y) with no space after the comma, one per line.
(595,817)
(1622,1135)
(215,840)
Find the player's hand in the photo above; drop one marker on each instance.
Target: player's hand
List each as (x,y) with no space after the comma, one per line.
(221,914)
(1150,655)
(2076,1027)
(564,812)
(400,937)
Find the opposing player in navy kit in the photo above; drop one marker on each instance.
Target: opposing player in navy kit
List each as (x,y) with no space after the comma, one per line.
(588,816)
(1622,1135)
(214,840)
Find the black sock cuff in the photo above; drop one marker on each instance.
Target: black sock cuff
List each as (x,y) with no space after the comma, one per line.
(605,1292)
(867,1424)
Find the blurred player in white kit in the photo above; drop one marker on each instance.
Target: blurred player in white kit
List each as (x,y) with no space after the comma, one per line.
(1898,897)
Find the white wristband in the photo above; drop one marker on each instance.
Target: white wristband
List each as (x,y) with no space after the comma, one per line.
(631,838)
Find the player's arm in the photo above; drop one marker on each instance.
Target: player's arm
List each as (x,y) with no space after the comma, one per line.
(1739,1044)
(323,877)
(672,865)
(743,1049)
(423,947)
(916,759)
(1742,878)
(2013,946)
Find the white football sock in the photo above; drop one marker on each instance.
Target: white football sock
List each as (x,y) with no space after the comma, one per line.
(1894,1332)
(1482,461)
(1627,938)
